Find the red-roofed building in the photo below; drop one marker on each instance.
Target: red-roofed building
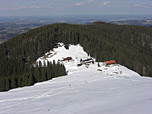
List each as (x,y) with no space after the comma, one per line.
(110,62)
(67,59)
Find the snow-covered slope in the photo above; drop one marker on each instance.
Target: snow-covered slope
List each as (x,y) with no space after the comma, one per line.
(114,90)
(77,53)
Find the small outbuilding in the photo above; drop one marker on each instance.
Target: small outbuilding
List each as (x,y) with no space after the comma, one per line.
(90,60)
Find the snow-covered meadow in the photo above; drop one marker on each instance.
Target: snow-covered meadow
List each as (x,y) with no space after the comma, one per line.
(114,90)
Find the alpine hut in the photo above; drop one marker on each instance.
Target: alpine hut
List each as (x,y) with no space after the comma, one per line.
(110,62)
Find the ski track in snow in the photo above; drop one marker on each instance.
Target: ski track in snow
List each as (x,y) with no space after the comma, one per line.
(53,92)
(57,91)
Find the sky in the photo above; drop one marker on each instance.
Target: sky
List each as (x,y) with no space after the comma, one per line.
(74,7)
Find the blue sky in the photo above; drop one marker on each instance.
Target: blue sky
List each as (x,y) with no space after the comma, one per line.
(74,7)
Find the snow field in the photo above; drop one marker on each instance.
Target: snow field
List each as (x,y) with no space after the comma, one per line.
(115,90)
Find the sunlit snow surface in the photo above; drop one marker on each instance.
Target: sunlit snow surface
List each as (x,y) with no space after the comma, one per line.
(83,91)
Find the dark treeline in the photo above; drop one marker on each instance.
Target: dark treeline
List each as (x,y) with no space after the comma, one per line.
(17,57)
(30,75)
(128,45)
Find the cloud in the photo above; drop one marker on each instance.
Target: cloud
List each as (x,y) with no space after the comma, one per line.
(105,3)
(144,5)
(80,3)
(26,7)
(84,2)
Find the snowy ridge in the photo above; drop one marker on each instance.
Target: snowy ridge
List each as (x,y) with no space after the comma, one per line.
(85,90)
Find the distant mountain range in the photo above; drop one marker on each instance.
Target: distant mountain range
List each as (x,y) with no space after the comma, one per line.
(13,26)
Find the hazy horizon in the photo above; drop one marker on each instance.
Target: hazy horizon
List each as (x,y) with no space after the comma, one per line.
(74,7)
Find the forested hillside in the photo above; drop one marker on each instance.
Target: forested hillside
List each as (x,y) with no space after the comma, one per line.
(128,45)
